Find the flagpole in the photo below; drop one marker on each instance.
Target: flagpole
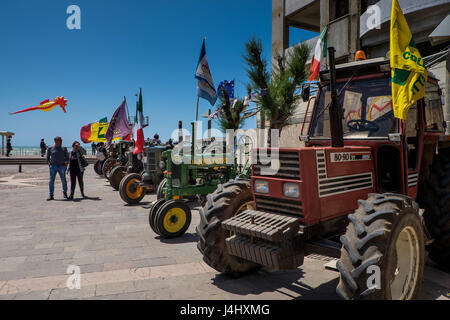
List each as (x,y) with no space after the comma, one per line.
(128,112)
(196,116)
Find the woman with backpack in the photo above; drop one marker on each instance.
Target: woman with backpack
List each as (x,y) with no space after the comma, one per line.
(76,168)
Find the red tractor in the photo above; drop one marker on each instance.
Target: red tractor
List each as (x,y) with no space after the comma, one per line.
(355,191)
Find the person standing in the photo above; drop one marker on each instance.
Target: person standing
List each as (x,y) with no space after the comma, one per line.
(8,146)
(58,160)
(156,141)
(76,168)
(94,148)
(43,148)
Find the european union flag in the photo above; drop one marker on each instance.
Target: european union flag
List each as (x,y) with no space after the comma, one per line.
(225,85)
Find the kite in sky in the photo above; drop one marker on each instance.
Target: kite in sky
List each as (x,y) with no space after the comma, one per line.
(47,105)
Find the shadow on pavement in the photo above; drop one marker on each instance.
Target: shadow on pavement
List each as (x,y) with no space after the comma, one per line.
(187,237)
(87,198)
(143,204)
(285,282)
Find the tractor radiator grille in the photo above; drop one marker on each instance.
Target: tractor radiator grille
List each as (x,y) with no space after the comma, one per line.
(152,161)
(289,166)
(279,205)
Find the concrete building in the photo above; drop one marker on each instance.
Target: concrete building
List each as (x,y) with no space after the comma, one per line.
(360,24)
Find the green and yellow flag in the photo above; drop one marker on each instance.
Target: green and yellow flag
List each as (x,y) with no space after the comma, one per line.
(409,75)
(98,131)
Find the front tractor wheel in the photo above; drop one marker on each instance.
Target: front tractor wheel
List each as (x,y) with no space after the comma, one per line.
(227,201)
(382,255)
(116,175)
(129,189)
(160,189)
(172,219)
(108,165)
(152,214)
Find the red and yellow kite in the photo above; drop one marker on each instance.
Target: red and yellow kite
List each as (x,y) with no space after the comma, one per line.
(47,105)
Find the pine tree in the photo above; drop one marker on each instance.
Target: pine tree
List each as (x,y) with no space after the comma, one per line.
(232,116)
(277,92)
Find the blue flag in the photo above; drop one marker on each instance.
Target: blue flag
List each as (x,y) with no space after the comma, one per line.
(205,85)
(225,85)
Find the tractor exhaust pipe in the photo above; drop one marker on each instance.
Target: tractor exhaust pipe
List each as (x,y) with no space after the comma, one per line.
(337,133)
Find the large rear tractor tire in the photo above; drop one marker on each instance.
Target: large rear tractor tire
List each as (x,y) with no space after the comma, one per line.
(108,165)
(129,189)
(160,189)
(227,201)
(382,255)
(116,175)
(436,200)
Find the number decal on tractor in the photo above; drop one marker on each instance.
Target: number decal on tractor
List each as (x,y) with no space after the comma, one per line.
(341,156)
(347,156)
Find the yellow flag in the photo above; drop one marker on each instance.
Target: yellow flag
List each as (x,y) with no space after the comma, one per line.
(409,75)
(98,131)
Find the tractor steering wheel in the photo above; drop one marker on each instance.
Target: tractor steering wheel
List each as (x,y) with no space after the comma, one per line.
(362,125)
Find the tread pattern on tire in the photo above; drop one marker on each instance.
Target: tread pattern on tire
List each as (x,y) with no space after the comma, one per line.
(105,166)
(152,214)
(219,206)
(159,190)
(435,198)
(366,241)
(114,171)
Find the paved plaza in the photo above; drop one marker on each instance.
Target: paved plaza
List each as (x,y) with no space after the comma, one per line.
(120,257)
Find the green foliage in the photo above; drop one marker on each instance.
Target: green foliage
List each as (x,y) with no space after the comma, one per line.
(278,90)
(231,118)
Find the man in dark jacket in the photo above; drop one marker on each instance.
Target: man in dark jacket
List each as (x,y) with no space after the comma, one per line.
(58,160)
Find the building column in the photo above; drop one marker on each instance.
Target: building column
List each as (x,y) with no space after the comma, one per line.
(324,14)
(324,19)
(355,13)
(280,42)
(280,28)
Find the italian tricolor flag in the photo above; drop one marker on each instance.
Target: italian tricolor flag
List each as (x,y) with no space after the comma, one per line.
(138,132)
(319,53)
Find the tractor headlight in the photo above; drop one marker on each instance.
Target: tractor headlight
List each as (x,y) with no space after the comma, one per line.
(291,190)
(162,165)
(261,186)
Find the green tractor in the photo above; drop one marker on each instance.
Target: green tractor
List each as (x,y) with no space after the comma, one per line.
(185,179)
(134,186)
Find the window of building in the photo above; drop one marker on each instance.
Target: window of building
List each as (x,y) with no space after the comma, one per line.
(341,8)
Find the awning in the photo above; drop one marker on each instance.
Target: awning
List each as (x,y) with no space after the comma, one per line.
(6,133)
(442,33)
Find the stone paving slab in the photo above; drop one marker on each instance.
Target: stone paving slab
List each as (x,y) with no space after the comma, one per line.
(121,258)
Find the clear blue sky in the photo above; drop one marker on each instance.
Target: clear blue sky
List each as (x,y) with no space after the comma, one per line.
(122,46)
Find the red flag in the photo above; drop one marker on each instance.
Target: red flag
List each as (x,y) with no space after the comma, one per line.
(319,53)
(138,132)
(85,133)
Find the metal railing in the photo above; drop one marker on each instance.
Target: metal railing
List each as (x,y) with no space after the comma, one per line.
(36,152)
